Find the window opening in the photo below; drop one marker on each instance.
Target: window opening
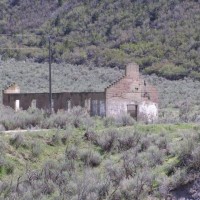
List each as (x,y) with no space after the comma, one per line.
(132,109)
(17,104)
(34,103)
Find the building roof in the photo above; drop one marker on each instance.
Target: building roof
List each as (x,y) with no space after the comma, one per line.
(33,77)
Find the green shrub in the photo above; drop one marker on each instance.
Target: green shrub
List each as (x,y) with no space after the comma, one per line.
(64,139)
(132,162)
(36,149)
(22,119)
(56,139)
(108,121)
(17,141)
(154,156)
(90,135)
(80,118)
(71,153)
(137,187)
(90,158)
(108,140)
(128,140)
(67,135)
(9,168)
(195,158)
(124,120)
(56,120)
(184,148)
(115,172)
(178,178)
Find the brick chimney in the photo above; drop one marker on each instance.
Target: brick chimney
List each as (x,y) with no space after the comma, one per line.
(132,71)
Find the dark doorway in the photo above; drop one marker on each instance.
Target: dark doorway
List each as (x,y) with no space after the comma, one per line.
(132,109)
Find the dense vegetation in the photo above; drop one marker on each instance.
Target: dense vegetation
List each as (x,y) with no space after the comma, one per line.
(162,36)
(94,161)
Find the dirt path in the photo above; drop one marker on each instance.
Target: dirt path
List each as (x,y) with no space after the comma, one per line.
(12,132)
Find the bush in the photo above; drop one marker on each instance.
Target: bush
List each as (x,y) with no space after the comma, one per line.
(9,168)
(90,158)
(145,142)
(161,142)
(178,178)
(131,162)
(17,141)
(108,121)
(91,184)
(137,187)
(36,149)
(71,153)
(115,172)
(65,138)
(80,118)
(108,140)
(184,148)
(154,156)
(128,140)
(90,135)
(124,120)
(56,139)
(195,158)
(6,167)
(23,119)
(56,120)
(67,135)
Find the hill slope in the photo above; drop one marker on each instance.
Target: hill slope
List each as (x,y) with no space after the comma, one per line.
(69,164)
(162,36)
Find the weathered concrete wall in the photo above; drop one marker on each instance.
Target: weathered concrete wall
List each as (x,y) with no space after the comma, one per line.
(148,112)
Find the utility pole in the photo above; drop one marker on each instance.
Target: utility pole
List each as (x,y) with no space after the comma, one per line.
(50,86)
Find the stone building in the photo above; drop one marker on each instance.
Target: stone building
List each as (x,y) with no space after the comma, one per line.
(130,94)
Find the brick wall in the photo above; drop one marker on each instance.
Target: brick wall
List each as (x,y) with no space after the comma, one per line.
(132,90)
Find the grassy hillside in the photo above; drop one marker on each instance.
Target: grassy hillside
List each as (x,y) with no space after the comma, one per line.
(98,163)
(162,36)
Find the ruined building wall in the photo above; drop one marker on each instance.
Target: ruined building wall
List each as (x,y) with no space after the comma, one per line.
(131,94)
(11,89)
(93,102)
